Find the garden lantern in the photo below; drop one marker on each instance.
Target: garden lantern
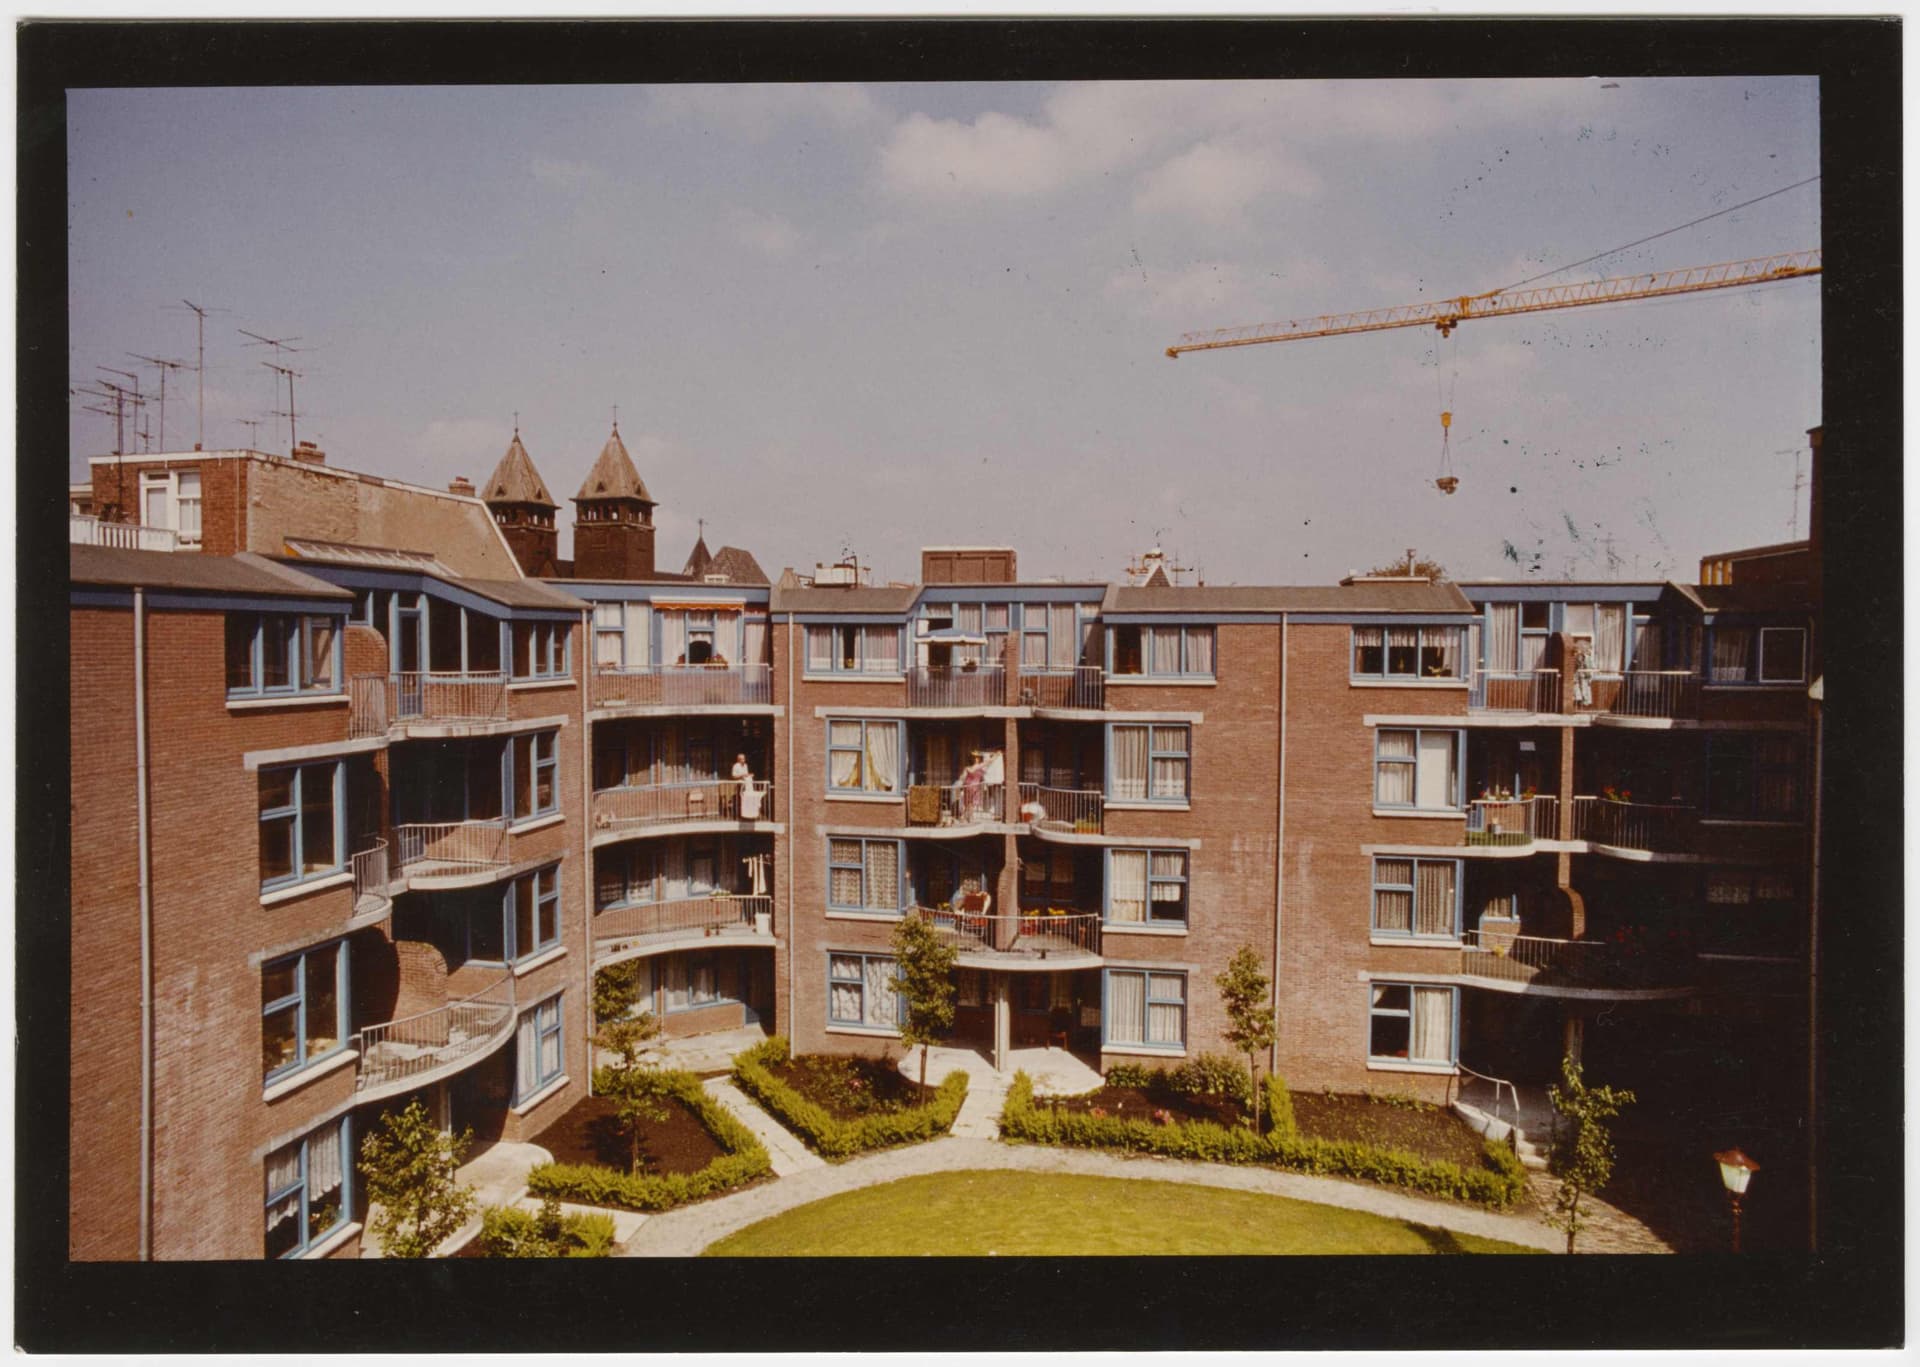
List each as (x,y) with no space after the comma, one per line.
(1736,1170)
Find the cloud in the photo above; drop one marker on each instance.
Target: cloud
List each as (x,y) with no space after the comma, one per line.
(1218,293)
(755,113)
(768,234)
(1215,183)
(571,176)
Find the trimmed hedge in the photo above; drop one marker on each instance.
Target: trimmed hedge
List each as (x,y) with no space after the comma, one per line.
(823,1132)
(1498,1184)
(596,1185)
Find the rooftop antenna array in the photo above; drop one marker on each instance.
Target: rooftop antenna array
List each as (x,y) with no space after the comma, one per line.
(253,432)
(281,345)
(163,366)
(200,366)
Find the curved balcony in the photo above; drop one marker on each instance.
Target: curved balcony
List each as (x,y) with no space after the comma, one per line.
(665,807)
(672,688)
(1075,688)
(449,854)
(959,687)
(1630,966)
(1062,812)
(1641,829)
(1512,822)
(401,1055)
(372,880)
(424,703)
(1028,939)
(629,932)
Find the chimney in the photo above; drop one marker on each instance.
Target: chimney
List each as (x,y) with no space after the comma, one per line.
(309,453)
(461,485)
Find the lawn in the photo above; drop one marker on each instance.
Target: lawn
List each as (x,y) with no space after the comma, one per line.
(975,1214)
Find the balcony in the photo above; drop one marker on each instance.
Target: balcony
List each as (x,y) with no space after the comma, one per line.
(622,931)
(1514,690)
(986,940)
(955,804)
(670,686)
(957,686)
(1513,821)
(413,1051)
(1644,694)
(1631,963)
(667,804)
(1062,811)
(451,850)
(372,877)
(381,702)
(1646,827)
(1075,688)
(122,536)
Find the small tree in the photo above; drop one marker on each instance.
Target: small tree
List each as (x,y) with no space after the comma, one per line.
(409,1166)
(616,991)
(1243,991)
(1582,1156)
(1411,564)
(635,1089)
(925,980)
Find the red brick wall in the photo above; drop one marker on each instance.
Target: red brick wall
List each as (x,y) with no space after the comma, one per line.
(223,491)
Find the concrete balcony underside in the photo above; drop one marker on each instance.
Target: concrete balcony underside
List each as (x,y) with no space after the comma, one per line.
(416,1051)
(615,949)
(614,835)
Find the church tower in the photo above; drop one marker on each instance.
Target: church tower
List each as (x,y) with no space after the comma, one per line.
(519,501)
(613,518)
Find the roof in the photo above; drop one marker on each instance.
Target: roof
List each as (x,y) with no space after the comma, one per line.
(613,475)
(384,557)
(699,558)
(1756,552)
(1746,597)
(739,566)
(201,573)
(893,598)
(1403,596)
(522,593)
(514,480)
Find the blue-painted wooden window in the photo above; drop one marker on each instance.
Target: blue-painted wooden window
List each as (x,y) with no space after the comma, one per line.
(309,1189)
(531,914)
(303,1008)
(1418,769)
(1418,898)
(270,654)
(688,982)
(845,648)
(539,1047)
(862,989)
(1161,652)
(1148,763)
(863,875)
(1144,1009)
(1755,776)
(1756,655)
(302,823)
(863,756)
(532,774)
(1389,652)
(1146,887)
(1412,1023)
(542,650)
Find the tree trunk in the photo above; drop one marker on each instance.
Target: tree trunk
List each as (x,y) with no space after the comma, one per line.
(1253,1086)
(923,1067)
(1573,1218)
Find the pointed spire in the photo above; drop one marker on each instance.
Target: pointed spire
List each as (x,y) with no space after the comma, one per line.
(613,475)
(514,479)
(701,559)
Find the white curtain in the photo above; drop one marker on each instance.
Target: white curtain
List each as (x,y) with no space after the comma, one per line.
(1063,641)
(1130,762)
(283,1171)
(323,1163)
(1367,642)
(1503,636)
(673,638)
(1432,1025)
(1435,899)
(1393,907)
(1170,773)
(1200,650)
(638,634)
(1436,769)
(753,647)
(883,875)
(1393,782)
(883,757)
(1442,653)
(1533,652)
(846,766)
(1169,866)
(1731,647)
(882,653)
(1126,1008)
(1579,619)
(526,1049)
(819,649)
(319,661)
(1403,650)
(1609,637)
(1167,1008)
(1164,650)
(1127,898)
(880,999)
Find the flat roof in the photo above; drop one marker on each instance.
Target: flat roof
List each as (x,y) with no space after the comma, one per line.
(194,572)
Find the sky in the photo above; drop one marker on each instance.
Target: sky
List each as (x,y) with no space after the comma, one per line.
(886,316)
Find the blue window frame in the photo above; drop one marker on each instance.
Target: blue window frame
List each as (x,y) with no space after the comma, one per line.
(1161,652)
(1144,1009)
(864,756)
(302,823)
(542,650)
(1417,898)
(844,648)
(1418,769)
(531,914)
(1148,762)
(531,774)
(864,875)
(303,1009)
(1146,887)
(540,1047)
(688,982)
(272,654)
(1389,652)
(1412,1023)
(309,1191)
(862,991)
(1755,776)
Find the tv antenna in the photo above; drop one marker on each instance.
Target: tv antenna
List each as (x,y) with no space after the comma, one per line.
(163,366)
(293,443)
(200,366)
(1799,483)
(253,432)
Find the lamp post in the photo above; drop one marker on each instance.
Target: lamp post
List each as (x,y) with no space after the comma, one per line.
(1736,1170)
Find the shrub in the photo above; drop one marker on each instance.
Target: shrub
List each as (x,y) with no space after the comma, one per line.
(409,1166)
(1212,1075)
(832,1137)
(509,1232)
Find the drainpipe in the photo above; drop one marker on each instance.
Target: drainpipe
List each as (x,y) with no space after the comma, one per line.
(144,836)
(1279,853)
(1813,981)
(586,817)
(793,941)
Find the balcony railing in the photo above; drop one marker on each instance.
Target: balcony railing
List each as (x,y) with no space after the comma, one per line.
(450,848)
(378,701)
(955,804)
(1081,686)
(1630,963)
(1028,935)
(1515,690)
(124,536)
(1065,811)
(1656,827)
(1650,693)
(700,800)
(1512,821)
(683,686)
(956,686)
(367,711)
(703,915)
(371,875)
(403,1053)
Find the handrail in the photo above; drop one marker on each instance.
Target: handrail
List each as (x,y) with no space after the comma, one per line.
(1497,1083)
(1512,820)
(1068,686)
(401,1052)
(1075,811)
(954,804)
(956,686)
(1655,693)
(1514,690)
(706,799)
(706,912)
(371,875)
(83,530)
(467,845)
(1657,827)
(709,685)
(1025,934)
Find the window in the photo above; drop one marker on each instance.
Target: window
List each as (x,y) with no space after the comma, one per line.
(1163,652)
(693,981)
(863,756)
(1417,897)
(1749,887)
(1145,1010)
(863,875)
(626,876)
(303,1009)
(1755,776)
(1409,1024)
(541,649)
(862,991)
(1783,655)
(1417,769)
(1148,763)
(1407,652)
(171,498)
(533,912)
(302,823)
(609,635)
(532,774)
(539,1048)
(1741,655)
(853,649)
(1147,887)
(308,1193)
(282,652)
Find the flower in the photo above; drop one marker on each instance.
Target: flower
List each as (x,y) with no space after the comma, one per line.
(1100,1111)
(1163,1115)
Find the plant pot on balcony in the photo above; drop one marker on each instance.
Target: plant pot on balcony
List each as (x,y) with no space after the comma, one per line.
(763,923)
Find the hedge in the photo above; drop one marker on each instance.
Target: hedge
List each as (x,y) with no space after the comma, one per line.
(1498,1184)
(597,1185)
(828,1135)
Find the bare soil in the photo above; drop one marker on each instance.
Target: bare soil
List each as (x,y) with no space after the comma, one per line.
(590,1132)
(1416,1128)
(1132,1103)
(850,1088)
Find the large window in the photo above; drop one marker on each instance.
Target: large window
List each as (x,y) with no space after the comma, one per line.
(1755,776)
(863,756)
(1163,652)
(1410,1024)
(540,650)
(271,653)
(1148,763)
(844,649)
(863,875)
(1417,897)
(532,912)
(539,1048)
(691,981)
(1145,1010)
(1407,652)
(1417,769)
(302,823)
(1766,655)
(308,1191)
(1147,887)
(862,991)
(532,774)
(171,498)
(303,1008)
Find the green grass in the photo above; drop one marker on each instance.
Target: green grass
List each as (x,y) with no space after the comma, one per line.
(973,1214)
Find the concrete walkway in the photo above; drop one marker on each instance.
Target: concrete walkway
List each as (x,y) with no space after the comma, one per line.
(1055,1072)
(710,1053)
(783,1146)
(684,1232)
(498,1178)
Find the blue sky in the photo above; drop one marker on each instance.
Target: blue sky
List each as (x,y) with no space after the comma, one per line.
(890,316)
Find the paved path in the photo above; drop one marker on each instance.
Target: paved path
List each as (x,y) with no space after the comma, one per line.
(789,1155)
(686,1231)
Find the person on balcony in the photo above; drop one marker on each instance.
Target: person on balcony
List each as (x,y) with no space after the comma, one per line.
(750,792)
(972,785)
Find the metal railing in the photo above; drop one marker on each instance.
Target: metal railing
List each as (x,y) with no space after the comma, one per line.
(404,1051)
(708,913)
(1656,827)
(1514,690)
(418,695)
(955,804)
(956,686)
(1082,686)
(370,878)
(1027,935)
(1066,811)
(123,536)
(1538,961)
(1655,693)
(450,847)
(698,800)
(1512,821)
(367,712)
(682,685)
(1457,1088)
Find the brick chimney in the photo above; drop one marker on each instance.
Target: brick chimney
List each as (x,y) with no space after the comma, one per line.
(307,452)
(461,485)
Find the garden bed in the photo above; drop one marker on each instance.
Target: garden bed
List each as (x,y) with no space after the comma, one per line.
(1137,1103)
(590,1133)
(1417,1127)
(851,1088)
(837,1118)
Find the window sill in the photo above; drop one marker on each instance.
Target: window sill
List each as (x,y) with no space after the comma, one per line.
(330,1241)
(1132,806)
(1443,685)
(1420,813)
(536,823)
(540,960)
(296,890)
(866,797)
(1417,941)
(702,1006)
(1375,1065)
(530,685)
(864,915)
(313,1072)
(1136,928)
(1170,681)
(1168,1050)
(251,704)
(545,1093)
(871,1031)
